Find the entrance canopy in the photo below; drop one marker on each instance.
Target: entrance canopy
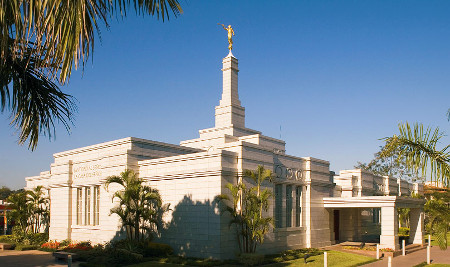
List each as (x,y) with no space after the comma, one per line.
(389,215)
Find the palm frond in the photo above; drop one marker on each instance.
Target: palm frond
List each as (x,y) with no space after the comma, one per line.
(35,101)
(418,146)
(41,42)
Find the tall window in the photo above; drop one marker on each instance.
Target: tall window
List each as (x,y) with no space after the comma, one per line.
(96,198)
(87,206)
(79,206)
(288,205)
(298,206)
(278,205)
(376,218)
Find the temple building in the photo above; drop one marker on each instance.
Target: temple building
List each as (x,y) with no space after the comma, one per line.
(311,206)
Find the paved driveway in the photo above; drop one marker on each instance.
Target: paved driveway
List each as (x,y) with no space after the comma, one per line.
(437,256)
(29,258)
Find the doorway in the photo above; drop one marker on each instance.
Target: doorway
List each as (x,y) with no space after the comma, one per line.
(336,225)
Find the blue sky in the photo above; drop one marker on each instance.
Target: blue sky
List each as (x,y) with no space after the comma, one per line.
(336,75)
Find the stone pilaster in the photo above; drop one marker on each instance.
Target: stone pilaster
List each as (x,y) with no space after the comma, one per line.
(307,212)
(61,202)
(230,111)
(389,228)
(416,218)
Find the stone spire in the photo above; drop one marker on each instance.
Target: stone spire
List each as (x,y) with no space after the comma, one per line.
(230,112)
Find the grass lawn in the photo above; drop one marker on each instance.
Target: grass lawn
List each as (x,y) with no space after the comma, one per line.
(335,259)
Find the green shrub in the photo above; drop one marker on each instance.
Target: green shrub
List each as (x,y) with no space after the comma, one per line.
(20,237)
(21,247)
(124,256)
(157,250)
(91,255)
(6,239)
(65,242)
(251,259)
(37,239)
(403,231)
(99,256)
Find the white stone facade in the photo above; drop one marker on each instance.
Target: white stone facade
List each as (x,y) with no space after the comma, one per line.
(189,176)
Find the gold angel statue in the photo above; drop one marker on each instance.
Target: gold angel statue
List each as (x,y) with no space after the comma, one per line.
(230,35)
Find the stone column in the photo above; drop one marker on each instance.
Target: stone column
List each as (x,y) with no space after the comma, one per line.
(307,211)
(416,218)
(389,228)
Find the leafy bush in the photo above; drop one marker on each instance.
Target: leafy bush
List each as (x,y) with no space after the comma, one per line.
(124,256)
(21,247)
(65,242)
(403,231)
(37,238)
(157,250)
(6,239)
(251,259)
(366,247)
(21,238)
(95,255)
(115,253)
(18,235)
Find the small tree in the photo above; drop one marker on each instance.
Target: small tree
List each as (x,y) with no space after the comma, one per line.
(19,209)
(403,217)
(246,206)
(29,210)
(139,205)
(437,219)
(38,208)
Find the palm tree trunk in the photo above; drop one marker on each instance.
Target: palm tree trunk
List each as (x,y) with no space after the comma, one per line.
(136,229)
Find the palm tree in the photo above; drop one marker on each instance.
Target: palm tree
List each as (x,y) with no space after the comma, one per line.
(259,176)
(245,205)
(38,209)
(29,210)
(41,42)
(139,205)
(438,220)
(418,148)
(19,209)
(403,217)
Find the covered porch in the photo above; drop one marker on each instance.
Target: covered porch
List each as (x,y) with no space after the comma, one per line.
(354,218)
